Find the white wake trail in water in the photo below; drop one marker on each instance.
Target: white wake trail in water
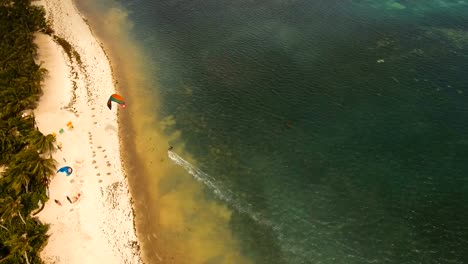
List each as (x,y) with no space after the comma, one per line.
(287,243)
(224,194)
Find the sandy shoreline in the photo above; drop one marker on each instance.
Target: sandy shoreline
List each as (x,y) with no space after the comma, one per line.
(99,226)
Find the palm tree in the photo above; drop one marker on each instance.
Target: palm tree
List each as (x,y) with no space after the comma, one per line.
(10,109)
(44,144)
(16,178)
(17,126)
(19,100)
(18,247)
(9,208)
(36,77)
(41,169)
(29,166)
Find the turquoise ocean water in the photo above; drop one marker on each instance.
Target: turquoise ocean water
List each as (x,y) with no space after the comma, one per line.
(336,131)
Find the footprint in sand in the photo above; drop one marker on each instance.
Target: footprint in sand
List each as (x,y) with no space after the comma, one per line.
(99,147)
(108,173)
(93,115)
(105,156)
(94,162)
(92,108)
(100,181)
(72,181)
(96,167)
(94,155)
(103,150)
(95,123)
(98,174)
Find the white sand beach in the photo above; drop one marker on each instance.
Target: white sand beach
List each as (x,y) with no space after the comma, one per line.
(98,225)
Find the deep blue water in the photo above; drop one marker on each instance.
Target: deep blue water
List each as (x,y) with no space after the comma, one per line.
(337,131)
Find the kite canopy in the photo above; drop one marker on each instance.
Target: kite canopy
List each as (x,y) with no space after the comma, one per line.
(67,170)
(115,98)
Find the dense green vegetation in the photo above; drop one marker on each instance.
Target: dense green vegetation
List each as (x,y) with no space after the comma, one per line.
(26,164)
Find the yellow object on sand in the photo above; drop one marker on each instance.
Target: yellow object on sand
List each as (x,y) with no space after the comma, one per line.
(69,125)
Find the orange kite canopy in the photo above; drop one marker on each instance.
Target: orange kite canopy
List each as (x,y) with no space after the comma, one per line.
(116,98)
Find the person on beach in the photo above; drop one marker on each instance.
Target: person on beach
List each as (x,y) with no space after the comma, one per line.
(58,202)
(68,198)
(76,198)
